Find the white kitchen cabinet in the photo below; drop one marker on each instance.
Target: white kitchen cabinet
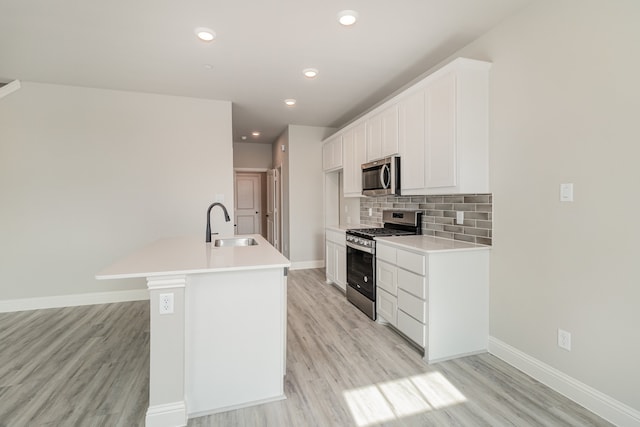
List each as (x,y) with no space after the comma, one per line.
(332,153)
(382,134)
(387,306)
(355,154)
(387,277)
(411,135)
(443,131)
(336,258)
(341,266)
(438,299)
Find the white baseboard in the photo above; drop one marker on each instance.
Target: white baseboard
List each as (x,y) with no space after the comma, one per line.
(597,402)
(303,265)
(239,406)
(24,304)
(169,414)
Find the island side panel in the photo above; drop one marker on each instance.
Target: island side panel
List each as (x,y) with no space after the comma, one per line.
(235,339)
(167,406)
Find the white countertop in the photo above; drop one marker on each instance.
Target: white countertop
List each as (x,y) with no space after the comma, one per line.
(431,244)
(191,255)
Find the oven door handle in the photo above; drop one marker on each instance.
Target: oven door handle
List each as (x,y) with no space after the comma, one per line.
(360,248)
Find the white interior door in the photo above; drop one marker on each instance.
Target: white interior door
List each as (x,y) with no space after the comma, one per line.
(247,203)
(272,208)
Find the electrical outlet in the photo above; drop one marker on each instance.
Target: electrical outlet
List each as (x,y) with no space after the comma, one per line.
(564,340)
(166,303)
(370,211)
(460,217)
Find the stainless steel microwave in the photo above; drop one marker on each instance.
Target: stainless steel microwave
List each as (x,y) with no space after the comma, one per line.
(381,177)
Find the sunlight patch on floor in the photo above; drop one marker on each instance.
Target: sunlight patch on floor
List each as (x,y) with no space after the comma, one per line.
(391,400)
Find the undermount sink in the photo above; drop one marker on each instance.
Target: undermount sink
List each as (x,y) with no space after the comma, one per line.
(235,241)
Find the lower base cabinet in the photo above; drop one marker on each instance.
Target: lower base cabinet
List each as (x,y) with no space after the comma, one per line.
(439,300)
(336,259)
(387,306)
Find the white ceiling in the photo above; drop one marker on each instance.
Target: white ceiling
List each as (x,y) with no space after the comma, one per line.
(258,56)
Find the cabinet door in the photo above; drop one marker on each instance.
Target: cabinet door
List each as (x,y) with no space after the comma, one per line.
(341,267)
(382,134)
(354,145)
(374,138)
(441,167)
(330,262)
(327,155)
(390,131)
(332,154)
(411,133)
(387,277)
(386,306)
(337,152)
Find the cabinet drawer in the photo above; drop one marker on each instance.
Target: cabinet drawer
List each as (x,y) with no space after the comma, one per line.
(387,306)
(413,329)
(412,283)
(386,253)
(412,262)
(415,307)
(336,237)
(387,277)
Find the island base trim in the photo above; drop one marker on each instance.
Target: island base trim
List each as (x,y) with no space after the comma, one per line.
(239,406)
(167,415)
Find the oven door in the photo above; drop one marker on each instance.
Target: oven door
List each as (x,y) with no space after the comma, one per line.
(361,267)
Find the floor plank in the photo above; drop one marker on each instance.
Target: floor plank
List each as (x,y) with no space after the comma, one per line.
(89,366)
(76,366)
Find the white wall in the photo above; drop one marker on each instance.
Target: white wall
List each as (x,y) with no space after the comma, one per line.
(565,104)
(306,180)
(302,178)
(252,155)
(87,176)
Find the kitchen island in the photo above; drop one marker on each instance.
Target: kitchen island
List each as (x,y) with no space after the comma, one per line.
(218,324)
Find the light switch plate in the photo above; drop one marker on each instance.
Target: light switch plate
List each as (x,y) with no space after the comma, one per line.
(460,217)
(566,192)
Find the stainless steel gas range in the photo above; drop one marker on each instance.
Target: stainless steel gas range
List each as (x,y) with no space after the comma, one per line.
(361,255)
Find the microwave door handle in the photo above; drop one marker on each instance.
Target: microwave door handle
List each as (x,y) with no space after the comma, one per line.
(385,184)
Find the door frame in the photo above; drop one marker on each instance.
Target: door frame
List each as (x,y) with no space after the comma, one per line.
(263,196)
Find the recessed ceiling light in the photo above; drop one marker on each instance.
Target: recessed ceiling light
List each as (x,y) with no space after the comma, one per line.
(208,67)
(310,72)
(256,133)
(244,138)
(290,102)
(347,17)
(205,34)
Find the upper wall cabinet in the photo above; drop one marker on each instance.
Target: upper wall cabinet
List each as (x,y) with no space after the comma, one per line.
(332,153)
(382,134)
(355,154)
(443,132)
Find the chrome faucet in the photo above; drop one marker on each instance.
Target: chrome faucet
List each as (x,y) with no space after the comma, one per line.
(226,218)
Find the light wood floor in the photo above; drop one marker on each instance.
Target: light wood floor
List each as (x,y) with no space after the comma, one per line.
(87,366)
